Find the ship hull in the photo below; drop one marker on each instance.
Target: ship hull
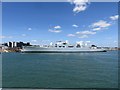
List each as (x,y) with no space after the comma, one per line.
(62,51)
(59,50)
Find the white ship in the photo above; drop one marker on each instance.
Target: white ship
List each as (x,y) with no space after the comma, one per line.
(62,47)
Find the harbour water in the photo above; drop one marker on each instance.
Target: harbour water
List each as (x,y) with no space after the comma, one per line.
(60,70)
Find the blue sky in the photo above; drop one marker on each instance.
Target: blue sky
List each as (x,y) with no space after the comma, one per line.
(41,22)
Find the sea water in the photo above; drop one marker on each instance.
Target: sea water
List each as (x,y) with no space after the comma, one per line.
(60,70)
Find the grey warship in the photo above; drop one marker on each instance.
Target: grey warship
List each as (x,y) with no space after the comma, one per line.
(62,47)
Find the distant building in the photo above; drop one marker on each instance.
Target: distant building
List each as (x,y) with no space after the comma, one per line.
(9,44)
(16,44)
(21,44)
(5,44)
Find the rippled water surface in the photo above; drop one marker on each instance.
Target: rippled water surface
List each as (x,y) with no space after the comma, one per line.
(60,70)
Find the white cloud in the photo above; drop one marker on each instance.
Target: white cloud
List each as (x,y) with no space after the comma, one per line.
(101,24)
(115,17)
(97,29)
(86,33)
(23,35)
(71,35)
(74,25)
(34,40)
(57,27)
(29,29)
(54,31)
(77,9)
(2,37)
(80,5)
(83,36)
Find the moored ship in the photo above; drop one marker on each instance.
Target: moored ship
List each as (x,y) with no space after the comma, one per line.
(62,47)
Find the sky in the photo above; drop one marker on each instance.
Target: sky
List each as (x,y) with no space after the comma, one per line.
(43,22)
